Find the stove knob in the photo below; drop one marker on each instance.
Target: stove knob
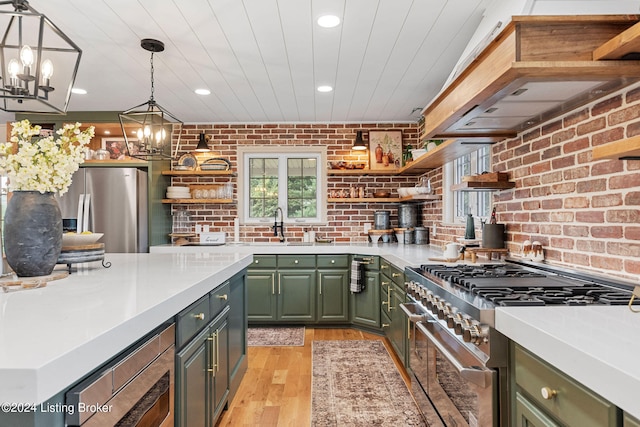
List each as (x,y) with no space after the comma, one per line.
(460,322)
(443,310)
(475,334)
(437,306)
(451,317)
(431,301)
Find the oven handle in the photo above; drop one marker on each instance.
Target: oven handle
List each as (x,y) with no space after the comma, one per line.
(413,317)
(478,376)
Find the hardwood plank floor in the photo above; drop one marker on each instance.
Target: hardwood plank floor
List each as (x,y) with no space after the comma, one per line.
(276,390)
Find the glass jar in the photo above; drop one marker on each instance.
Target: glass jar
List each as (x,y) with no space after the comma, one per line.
(181,222)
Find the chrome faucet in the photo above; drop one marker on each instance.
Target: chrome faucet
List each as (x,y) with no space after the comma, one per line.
(280,226)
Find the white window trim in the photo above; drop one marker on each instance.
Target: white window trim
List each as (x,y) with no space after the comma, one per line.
(299,151)
(449,197)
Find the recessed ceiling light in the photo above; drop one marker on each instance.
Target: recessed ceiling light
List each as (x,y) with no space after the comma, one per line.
(107,132)
(78,91)
(325,88)
(203,91)
(328,21)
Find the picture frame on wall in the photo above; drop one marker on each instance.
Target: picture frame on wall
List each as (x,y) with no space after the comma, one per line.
(385,149)
(116,146)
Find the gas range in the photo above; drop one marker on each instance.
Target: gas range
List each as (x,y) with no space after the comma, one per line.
(453,342)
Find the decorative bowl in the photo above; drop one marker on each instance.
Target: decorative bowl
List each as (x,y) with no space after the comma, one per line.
(381,194)
(75,239)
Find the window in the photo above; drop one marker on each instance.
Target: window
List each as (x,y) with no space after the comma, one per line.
(462,203)
(289,178)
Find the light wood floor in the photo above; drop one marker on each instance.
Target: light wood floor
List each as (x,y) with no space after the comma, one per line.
(276,390)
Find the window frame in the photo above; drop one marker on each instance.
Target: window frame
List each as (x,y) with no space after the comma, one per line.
(452,174)
(282,153)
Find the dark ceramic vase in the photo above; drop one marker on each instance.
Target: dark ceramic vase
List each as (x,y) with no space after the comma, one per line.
(32,233)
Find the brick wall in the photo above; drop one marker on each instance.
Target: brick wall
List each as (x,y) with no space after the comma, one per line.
(345,220)
(586,213)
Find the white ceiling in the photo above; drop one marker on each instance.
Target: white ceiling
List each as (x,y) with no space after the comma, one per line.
(263,59)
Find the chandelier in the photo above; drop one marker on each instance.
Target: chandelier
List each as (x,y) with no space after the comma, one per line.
(31,49)
(152,124)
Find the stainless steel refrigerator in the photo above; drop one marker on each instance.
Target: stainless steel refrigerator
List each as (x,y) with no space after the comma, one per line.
(118,206)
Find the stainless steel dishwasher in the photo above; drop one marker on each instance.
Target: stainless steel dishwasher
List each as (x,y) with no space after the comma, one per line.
(135,389)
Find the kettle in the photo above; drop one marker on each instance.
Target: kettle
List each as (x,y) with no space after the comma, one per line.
(452,251)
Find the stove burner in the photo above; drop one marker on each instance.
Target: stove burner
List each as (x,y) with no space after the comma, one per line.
(513,285)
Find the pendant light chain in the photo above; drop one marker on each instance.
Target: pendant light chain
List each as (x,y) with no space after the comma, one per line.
(152,87)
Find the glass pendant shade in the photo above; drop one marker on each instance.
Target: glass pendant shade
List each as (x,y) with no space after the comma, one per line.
(155,128)
(31,48)
(359,143)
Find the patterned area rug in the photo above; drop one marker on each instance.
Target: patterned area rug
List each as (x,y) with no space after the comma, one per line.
(355,383)
(275,336)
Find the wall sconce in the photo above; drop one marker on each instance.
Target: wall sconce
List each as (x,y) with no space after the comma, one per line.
(359,143)
(202,144)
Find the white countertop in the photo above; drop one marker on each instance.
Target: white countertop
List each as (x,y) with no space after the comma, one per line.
(598,346)
(53,336)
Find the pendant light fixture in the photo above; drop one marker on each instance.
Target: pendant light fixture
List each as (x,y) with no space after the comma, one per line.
(359,143)
(31,49)
(153,125)
(203,147)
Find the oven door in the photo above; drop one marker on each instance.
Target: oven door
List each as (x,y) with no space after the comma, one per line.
(461,388)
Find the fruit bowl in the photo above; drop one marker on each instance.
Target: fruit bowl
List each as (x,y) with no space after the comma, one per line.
(75,239)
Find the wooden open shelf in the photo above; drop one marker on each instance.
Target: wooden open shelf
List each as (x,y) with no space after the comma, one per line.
(624,148)
(196,201)
(420,198)
(483,186)
(199,173)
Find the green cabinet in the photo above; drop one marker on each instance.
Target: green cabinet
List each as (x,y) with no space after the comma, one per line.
(394,323)
(202,377)
(237,320)
(282,288)
(544,396)
(212,353)
(296,295)
(365,305)
(333,275)
(629,421)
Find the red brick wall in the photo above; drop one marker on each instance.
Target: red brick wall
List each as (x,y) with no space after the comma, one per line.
(345,220)
(586,213)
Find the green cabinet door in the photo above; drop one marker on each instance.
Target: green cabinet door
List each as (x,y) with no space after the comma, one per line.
(528,415)
(219,371)
(365,305)
(261,295)
(296,294)
(237,332)
(630,421)
(192,381)
(398,330)
(333,295)
(202,376)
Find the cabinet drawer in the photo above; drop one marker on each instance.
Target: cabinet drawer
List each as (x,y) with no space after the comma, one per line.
(333,261)
(296,261)
(567,400)
(218,299)
(192,319)
(264,261)
(393,272)
(371,262)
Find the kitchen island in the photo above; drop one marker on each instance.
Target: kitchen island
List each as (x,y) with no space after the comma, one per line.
(53,336)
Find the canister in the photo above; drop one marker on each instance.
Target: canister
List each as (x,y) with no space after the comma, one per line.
(407,215)
(493,236)
(382,220)
(408,237)
(422,236)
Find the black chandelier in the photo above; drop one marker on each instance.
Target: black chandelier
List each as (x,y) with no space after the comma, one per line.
(154,125)
(39,62)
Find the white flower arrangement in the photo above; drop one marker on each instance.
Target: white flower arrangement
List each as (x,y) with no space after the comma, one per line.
(43,164)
